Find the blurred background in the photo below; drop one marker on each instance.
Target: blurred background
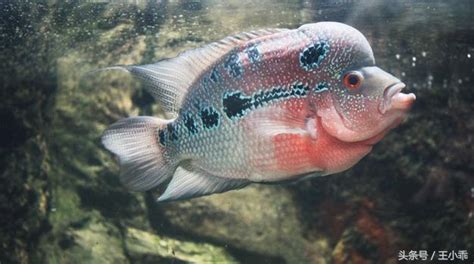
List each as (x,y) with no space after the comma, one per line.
(60,197)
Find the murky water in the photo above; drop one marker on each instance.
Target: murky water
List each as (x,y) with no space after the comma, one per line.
(61,200)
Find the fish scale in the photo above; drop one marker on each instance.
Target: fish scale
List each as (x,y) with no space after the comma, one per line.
(258,107)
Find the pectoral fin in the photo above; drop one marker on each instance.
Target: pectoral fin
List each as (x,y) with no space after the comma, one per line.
(274,121)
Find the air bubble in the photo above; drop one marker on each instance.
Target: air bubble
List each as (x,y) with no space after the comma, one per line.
(445,83)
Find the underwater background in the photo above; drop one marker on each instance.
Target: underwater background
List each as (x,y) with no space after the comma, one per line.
(60,196)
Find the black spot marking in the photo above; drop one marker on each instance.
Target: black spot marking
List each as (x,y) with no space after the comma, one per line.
(235,104)
(262,98)
(298,90)
(312,56)
(253,54)
(162,136)
(233,65)
(172,133)
(190,124)
(209,117)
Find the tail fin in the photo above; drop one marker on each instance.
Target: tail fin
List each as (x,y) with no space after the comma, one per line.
(143,162)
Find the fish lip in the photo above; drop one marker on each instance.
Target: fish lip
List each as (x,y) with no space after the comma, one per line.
(403,101)
(393,89)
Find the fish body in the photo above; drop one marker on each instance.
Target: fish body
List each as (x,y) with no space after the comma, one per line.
(260,107)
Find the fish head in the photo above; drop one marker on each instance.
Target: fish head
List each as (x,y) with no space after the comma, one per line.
(355,100)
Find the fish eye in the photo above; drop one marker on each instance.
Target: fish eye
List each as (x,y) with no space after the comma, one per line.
(353,80)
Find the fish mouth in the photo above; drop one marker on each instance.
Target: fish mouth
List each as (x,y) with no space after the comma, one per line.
(393,98)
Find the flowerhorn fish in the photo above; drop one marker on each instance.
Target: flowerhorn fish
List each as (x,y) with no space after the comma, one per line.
(266,106)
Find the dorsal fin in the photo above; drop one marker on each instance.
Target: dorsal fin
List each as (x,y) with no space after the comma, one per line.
(168,80)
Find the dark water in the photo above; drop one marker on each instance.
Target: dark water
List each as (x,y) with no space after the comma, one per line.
(60,198)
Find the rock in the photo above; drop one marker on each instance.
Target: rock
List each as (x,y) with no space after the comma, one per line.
(99,241)
(95,242)
(27,88)
(141,245)
(259,219)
